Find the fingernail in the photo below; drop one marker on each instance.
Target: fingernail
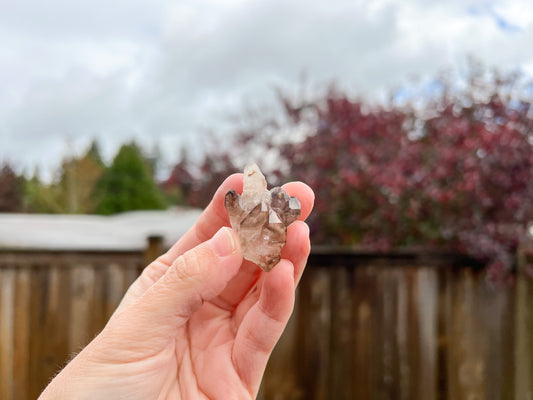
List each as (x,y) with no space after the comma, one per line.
(223,243)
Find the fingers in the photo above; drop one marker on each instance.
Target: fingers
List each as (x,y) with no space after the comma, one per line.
(263,325)
(296,251)
(305,195)
(198,275)
(297,248)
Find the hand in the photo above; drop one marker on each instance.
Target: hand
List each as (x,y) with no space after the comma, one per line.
(198,323)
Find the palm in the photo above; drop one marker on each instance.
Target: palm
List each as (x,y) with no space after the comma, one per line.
(199,360)
(183,345)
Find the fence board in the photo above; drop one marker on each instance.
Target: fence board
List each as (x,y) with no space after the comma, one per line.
(7,308)
(341,344)
(21,356)
(428,345)
(365,370)
(82,286)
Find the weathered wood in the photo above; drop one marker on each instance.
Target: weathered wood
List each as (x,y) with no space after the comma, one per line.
(366,335)
(444,312)
(38,283)
(7,332)
(340,367)
(82,288)
(21,345)
(114,288)
(313,333)
(428,324)
(281,382)
(390,375)
(54,303)
(400,309)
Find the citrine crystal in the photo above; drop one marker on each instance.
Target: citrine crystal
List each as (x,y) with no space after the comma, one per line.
(261,218)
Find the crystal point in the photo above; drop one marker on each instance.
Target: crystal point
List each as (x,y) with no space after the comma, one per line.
(261,217)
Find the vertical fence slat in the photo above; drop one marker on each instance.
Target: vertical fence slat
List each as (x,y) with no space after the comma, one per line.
(38,283)
(444,311)
(21,347)
(365,338)
(54,302)
(7,333)
(99,307)
(281,381)
(82,281)
(313,333)
(467,342)
(341,346)
(492,304)
(390,374)
(402,336)
(428,319)
(114,286)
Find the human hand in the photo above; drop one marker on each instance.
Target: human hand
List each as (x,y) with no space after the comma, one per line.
(199,322)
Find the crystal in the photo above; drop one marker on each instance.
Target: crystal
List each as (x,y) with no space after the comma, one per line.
(261,218)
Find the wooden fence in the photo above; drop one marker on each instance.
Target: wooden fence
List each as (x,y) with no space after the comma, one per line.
(365,326)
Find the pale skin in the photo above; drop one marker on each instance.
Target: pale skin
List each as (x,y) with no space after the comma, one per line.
(199,322)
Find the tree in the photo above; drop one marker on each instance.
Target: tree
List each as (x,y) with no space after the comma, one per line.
(127,184)
(215,168)
(455,172)
(71,190)
(93,153)
(76,183)
(177,187)
(11,190)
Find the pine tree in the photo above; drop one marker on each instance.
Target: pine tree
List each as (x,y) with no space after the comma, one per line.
(94,153)
(127,184)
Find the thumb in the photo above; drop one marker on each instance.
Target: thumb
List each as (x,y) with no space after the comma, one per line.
(198,275)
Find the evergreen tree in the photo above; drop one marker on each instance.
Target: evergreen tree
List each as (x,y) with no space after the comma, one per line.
(94,153)
(41,197)
(127,184)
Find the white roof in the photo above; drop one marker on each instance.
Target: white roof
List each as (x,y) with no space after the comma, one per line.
(120,232)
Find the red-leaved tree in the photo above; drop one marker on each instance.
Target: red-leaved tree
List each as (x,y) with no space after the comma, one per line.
(11,190)
(456,173)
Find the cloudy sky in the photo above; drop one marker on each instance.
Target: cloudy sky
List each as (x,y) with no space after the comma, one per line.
(165,71)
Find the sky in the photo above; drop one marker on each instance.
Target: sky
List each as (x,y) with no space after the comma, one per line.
(166,72)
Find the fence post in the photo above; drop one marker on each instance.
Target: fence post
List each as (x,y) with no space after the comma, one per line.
(154,249)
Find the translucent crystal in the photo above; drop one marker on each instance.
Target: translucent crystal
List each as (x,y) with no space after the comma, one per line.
(261,217)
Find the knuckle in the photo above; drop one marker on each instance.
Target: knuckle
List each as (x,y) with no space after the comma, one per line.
(193,265)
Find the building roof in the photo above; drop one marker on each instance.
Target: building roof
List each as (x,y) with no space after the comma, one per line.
(121,232)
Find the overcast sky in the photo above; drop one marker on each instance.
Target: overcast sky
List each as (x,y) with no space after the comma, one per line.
(164,71)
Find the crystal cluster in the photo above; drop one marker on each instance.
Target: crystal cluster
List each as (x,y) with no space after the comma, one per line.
(261,217)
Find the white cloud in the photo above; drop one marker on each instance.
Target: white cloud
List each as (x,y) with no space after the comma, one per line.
(162,71)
